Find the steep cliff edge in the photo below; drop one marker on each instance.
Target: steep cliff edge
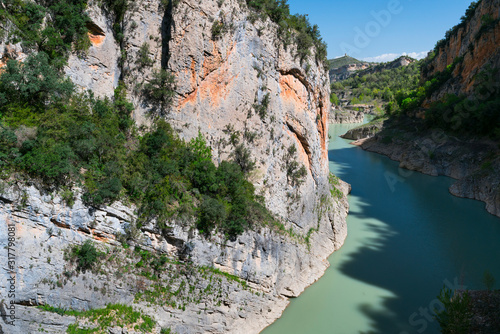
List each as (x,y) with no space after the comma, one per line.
(469,48)
(239,86)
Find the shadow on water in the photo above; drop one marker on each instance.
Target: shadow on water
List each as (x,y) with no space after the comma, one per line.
(407,237)
(424,238)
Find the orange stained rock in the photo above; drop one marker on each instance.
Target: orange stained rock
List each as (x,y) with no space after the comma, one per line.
(192,78)
(301,151)
(217,86)
(483,48)
(292,90)
(190,98)
(211,62)
(96,40)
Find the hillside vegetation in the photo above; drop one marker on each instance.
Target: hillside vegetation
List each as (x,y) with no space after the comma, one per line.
(384,87)
(474,114)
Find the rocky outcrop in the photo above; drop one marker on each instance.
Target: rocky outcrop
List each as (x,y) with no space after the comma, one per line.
(346,71)
(473,162)
(45,229)
(473,46)
(397,63)
(364,131)
(241,83)
(345,116)
(98,68)
(356,67)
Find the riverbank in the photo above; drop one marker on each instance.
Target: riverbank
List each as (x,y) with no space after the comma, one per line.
(345,116)
(472,162)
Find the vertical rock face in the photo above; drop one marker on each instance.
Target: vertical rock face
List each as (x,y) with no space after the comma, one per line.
(477,41)
(221,80)
(237,87)
(97,69)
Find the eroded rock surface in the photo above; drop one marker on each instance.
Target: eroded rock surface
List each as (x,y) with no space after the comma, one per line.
(242,82)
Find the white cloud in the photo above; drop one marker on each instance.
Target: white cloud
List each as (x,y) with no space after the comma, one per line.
(391,56)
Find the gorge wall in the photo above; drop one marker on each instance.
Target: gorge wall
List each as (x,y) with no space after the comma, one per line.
(238,83)
(472,46)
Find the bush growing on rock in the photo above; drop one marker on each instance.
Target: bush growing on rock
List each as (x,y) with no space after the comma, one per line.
(85,256)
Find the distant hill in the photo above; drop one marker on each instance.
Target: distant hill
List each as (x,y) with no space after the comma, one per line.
(380,67)
(343,67)
(343,61)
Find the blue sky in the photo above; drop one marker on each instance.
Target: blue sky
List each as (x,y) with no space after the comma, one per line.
(398,26)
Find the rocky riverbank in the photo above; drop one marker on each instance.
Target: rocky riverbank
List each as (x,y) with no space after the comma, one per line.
(474,163)
(365,130)
(191,292)
(345,116)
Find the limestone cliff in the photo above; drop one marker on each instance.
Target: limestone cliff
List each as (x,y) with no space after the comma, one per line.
(472,46)
(339,115)
(241,82)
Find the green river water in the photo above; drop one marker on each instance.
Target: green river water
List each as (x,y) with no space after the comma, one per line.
(407,237)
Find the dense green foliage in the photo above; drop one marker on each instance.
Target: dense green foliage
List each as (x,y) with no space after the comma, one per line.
(456,315)
(36,83)
(292,28)
(64,27)
(384,86)
(474,115)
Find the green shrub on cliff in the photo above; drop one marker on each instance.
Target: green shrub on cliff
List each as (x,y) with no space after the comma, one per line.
(456,315)
(85,256)
(159,91)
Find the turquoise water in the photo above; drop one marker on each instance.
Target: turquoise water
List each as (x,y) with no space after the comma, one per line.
(407,237)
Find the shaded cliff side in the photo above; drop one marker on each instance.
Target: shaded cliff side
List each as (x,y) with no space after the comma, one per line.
(472,162)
